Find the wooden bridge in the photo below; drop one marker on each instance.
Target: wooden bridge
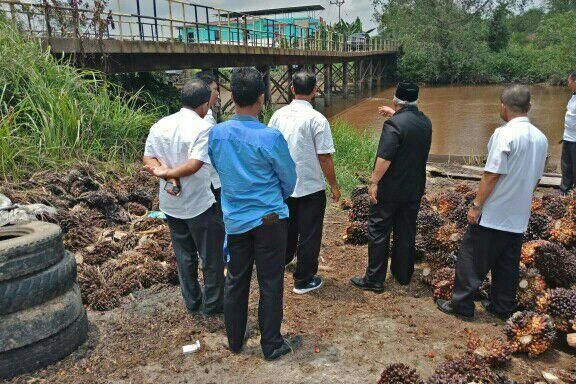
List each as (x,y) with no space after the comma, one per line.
(118,38)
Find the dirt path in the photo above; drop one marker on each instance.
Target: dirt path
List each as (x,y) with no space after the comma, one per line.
(349,335)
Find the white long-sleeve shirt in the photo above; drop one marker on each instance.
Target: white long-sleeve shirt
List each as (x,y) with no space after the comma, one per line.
(570,125)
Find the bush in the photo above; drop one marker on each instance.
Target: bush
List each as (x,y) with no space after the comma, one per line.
(52,113)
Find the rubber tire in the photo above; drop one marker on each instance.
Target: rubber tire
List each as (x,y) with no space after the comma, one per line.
(38,246)
(46,351)
(28,291)
(33,324)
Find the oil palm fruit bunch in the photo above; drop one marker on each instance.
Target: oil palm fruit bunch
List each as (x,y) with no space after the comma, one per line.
(537,205)
(531,286)
(448,238)
(555,206)
(466,369)
(530,332)
(563,231)
(528,250)
(556,264)
(443,283)
(400,374)
(560,303)
(462,188)
(439,259)
(447,202)
(358,190)
(428,223)
(357,233)
(360,208)
(538,227)
(494,351)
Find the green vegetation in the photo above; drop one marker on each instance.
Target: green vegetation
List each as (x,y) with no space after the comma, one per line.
(355,155)
(481,41)
(53,114)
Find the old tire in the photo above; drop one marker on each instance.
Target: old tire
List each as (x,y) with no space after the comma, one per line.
(28,291)
(29,248)
(26,327)
(44,352)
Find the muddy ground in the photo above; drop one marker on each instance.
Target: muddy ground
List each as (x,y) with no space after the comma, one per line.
(349,335)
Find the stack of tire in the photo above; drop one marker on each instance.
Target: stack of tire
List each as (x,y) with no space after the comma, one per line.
(42,319)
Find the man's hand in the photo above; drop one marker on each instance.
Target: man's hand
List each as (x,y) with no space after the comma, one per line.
(474,215)
(335,193)
(175,182)
(373,192)
(386,111)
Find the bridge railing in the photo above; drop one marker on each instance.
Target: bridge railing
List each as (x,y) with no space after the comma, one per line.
(185,22)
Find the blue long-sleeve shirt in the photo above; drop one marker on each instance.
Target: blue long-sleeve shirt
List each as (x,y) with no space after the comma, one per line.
(255,169)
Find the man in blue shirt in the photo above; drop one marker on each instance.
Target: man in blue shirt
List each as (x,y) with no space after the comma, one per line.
(257,175)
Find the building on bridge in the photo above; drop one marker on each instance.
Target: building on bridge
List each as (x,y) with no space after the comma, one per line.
(289,25)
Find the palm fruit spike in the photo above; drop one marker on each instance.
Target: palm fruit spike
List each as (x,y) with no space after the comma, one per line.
(528,250)
(360,208)
(448,238)
(357,233)
(462,188)
(555,206)
(400,374)
(358,190)
(559,303)
(447,202)
(538,227)
(564,231)
(530,332)
(495,351)
(556,264)
(443,283)
(531,286)
(465,369)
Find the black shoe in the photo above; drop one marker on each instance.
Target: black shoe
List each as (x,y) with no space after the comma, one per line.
(313,285)
(362,283)
(289,346)
(487,304)
(446,307)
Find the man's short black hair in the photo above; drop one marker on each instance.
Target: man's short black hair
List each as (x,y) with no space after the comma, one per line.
(573,75)
(207,76)
(246,85)
(195,93)
(304,82)
(517,98)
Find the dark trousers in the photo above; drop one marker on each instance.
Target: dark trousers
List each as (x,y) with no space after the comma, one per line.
(400,218)
(305,234)
(202,235)
(483,250)
(264,245)
(568,166)
(218,196)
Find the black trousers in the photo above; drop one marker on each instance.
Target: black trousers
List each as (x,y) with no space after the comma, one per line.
(483,250)
(202,235)
(305,234)
(568,166)
(264,245)
(400,218)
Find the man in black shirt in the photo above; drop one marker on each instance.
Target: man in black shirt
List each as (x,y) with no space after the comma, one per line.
(397,186)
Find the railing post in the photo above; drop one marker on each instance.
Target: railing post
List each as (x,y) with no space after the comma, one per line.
(208,26)
(245,27)
(47,17)
(120,21)
(197,28)
(171,21)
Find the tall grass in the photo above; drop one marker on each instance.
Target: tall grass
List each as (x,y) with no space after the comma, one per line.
(52,114)
(355,154)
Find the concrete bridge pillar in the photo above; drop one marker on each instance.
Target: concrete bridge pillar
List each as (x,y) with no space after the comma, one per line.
(370,75)
(345,79)
(327,84)
(358,76)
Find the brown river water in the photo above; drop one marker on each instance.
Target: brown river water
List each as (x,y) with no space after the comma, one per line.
(463,117)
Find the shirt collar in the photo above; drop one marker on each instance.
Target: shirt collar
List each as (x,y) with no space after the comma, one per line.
(516,120)
(303,103)
(244,118)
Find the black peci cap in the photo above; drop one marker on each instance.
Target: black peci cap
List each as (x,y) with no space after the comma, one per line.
(407,91)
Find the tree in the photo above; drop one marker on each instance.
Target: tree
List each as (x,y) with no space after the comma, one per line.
(499,34)
(561,5)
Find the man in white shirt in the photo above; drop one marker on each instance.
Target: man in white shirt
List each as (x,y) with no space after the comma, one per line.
(311,146)
(499,214)
(569,141)
(177,148)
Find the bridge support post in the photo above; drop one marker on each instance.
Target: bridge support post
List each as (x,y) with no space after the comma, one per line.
(345,79)
(327,84)
(359,75)
(370,76)
(265,70)
(289,82)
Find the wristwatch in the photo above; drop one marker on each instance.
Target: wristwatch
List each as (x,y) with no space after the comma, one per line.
(476,206)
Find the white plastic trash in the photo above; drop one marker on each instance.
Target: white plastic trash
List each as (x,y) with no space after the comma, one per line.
(191,348)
